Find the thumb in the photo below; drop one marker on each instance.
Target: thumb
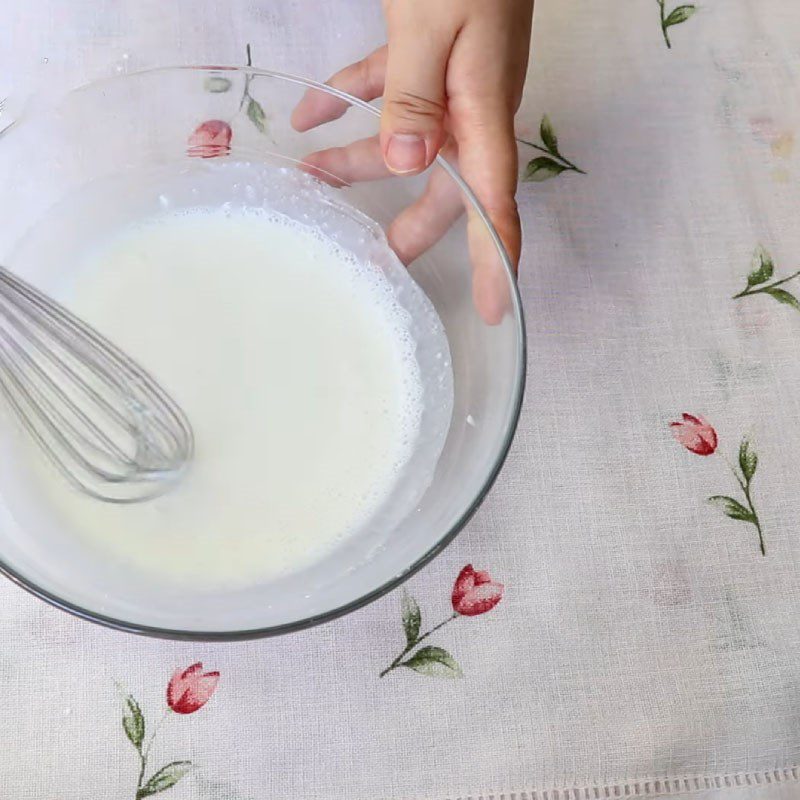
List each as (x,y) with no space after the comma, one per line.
(412,119)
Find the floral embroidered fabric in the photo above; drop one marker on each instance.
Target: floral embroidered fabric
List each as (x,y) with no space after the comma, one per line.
(620,618)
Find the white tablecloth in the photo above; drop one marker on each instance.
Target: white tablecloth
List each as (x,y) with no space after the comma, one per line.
(643,644)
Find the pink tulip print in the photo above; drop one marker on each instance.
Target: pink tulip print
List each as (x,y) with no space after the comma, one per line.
(699,437)
(695,434)
(212,138)
(187,691)
(190,689)
(474,592)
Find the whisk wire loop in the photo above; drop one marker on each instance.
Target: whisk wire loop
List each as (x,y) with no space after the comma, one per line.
(100,418)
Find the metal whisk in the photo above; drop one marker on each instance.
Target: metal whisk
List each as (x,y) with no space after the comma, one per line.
(103,422)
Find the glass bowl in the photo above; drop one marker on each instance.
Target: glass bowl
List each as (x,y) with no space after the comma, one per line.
(119,128)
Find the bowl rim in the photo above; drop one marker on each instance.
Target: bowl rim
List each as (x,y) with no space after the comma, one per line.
(176,634)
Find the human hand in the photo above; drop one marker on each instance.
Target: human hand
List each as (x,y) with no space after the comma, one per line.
(451,77)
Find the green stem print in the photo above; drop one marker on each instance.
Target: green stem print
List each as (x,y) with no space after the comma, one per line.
(748,461)
(188,691)
(698,436)
(255,112)
(543,168)
(7,122)
(435,655)
(474,593)
(145,789)
(678,15)
(759,277)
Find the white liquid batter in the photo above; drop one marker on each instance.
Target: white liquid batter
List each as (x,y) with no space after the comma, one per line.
(296,368)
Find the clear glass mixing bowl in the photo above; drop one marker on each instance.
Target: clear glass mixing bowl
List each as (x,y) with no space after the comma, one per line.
(143,121)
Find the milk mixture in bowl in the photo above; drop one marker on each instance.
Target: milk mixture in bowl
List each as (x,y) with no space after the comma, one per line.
(315,374)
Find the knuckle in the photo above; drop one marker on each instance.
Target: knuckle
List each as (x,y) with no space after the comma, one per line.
(502,208)
(370,71)
(364,72)
(410,107)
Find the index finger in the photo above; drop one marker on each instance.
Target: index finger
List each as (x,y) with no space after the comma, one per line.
(363,79)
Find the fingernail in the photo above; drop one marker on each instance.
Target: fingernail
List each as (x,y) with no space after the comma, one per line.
(405,153)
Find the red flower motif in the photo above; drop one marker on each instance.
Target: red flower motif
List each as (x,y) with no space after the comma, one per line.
(695,434)
(211,139)
(475,593)
(190,689)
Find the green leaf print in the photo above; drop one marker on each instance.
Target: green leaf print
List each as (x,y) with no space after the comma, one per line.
(763,267)
(732,508)
(748,460)
(542,168)
(412,618)
(679,14)
(256,115)
(164,779)
(762,270)
(216,84)
(675,17)
(548,135)
(434,662)
(133,722)
(782,296)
